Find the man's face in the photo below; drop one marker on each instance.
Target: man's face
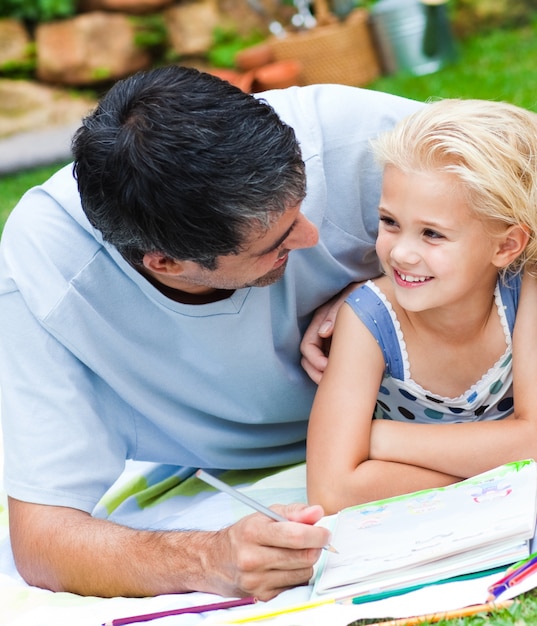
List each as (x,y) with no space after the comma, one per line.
(261,262)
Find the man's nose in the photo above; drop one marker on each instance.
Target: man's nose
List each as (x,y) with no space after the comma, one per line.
(303,235)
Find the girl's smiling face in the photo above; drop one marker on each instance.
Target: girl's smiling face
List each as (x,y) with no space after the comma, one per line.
(433,247)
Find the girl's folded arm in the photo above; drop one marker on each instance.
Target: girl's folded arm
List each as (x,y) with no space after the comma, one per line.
(338,469)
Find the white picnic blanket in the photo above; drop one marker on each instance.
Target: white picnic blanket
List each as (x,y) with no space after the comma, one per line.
(153,496)
(148,496)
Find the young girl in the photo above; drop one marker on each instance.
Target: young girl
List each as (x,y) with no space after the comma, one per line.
(426,349)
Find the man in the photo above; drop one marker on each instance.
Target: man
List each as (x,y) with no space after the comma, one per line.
(156,313)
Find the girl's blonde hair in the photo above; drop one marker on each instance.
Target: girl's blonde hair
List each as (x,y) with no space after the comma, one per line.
(490,146)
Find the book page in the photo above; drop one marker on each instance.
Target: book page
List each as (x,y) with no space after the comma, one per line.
(397,534)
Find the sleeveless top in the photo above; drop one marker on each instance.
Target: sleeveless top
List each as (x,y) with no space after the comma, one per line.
(403,399)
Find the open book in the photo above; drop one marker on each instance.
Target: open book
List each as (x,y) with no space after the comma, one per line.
(477,524)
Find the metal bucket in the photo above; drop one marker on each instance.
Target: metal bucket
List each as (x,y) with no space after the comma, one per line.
(411,36)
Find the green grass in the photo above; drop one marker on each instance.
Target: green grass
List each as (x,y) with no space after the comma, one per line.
(501,65)
(12,187)
(498,66)
(519,614)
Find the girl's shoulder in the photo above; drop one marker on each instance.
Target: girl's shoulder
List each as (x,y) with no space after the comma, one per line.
(373,302)
(372,305)
(384,286)
(372,293)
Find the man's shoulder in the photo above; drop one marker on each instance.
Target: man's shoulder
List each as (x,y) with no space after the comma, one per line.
(47,210)
(332,99)
(47,239)
(329,115)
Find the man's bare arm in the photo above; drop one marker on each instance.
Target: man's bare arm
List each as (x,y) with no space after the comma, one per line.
(64,549)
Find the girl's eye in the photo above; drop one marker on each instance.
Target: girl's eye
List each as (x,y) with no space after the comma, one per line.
(387,221)
(432,234)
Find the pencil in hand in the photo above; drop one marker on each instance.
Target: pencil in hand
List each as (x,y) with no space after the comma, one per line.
(254,504)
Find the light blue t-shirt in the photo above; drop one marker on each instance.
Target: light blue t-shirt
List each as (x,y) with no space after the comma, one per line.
(97,366)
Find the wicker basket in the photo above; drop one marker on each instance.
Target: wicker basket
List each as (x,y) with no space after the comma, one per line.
(341,52)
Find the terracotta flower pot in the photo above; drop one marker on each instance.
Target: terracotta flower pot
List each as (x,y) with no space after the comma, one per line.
(254,57)
(277,75)
(241,80)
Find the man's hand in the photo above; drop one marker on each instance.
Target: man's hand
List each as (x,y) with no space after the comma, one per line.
(315,344)
(64,549)
(260,557)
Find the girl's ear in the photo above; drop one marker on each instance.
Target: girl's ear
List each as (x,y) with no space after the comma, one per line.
(511,245)
(162,264)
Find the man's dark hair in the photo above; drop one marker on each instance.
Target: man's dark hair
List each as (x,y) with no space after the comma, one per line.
(180,162)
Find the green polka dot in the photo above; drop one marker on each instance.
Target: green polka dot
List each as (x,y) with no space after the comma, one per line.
(496,387)
(434,415)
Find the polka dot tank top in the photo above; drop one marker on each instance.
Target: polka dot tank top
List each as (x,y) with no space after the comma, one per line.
(401,398)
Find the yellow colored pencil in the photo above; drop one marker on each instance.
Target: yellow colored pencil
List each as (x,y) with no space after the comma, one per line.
(437,617)
(290,609)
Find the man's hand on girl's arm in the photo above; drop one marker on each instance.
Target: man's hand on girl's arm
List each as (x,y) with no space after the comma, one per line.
(315,344)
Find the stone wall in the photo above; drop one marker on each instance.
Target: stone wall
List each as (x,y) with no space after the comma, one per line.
(105,40)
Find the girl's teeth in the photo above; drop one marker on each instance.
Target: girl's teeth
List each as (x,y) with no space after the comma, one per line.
(413,279)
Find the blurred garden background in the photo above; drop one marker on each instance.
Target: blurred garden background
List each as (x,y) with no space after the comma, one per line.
(495,58)
(494,41)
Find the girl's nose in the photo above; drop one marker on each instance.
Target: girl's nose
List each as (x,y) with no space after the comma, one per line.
(404,253)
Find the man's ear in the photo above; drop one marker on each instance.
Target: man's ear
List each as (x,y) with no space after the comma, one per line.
(162,264)
(511,245)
